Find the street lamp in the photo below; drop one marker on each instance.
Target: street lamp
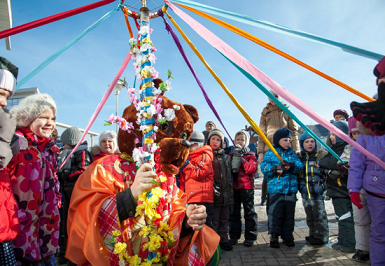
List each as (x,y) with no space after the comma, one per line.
(117,88)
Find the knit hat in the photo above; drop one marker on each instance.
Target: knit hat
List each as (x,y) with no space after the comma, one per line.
(31,107)
(280,134)
(211,122)
(343,126)
(108,135)
(8,75)
(217,132)
(304,137)
(379,70)
(341,112)
(352,122)
(197,137)
(247,136)
(71,136)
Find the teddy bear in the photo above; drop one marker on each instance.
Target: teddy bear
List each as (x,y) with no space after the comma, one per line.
(172,136)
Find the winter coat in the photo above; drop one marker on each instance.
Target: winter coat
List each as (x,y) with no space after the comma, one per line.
(363,172)
(96,153)
(311,179)
(222,178)
(244,178)
(272,119)
(7,129)
(74,166)
(199,176)
(287,182)
(336,182)
(36,191)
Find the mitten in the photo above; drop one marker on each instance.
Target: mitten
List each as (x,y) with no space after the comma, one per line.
(292,167)
(277,170)
(356,200)
(342,168)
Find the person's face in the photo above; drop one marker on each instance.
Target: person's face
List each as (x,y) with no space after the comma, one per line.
(240,139)
(215,142)
(209,127)
(309,144)
(333,138)
(340,118)
(107,146)
(284,143)
(355,135)
(4,95)
(44,124)
(194,147)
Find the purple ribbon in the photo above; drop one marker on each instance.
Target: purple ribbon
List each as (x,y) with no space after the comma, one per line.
(180,48)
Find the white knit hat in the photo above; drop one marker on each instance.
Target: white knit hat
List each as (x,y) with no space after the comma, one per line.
(31,107)
(108,135)
(247,136)
(8,75)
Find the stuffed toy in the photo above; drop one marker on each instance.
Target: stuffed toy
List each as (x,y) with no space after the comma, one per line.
(372,114)
(172,136)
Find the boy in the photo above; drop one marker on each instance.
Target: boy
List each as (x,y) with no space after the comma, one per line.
(282,186)
(244,165)
(8,208)
(338,192)
(223,191)
(198,175)
(210,125)
(68,175)
(312,187)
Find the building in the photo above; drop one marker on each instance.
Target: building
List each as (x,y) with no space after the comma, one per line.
(6,19)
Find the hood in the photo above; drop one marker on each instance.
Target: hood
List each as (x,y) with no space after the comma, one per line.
(95,150)
(363,130)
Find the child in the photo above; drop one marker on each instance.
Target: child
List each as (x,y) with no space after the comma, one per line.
(312,187)
(282,186)
(36,188)
(68,175)
(223,191)
(338,192)
(8,208)
(210,125)
(340,114)
(198,175)
(244,165)
(107,145)
(361,216)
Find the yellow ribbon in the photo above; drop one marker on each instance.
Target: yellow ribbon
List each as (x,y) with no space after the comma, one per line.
(240,108)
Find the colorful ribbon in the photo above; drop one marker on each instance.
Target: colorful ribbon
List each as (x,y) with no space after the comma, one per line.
(47,20)
(279,52)
(101,104)
(125,12)
(50,59)
(231,96)
(282,29)
(229,52)
(180,48)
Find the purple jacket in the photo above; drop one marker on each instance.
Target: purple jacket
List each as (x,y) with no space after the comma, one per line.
(363,172)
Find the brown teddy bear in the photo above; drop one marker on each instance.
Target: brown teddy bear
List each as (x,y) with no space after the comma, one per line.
(172,136)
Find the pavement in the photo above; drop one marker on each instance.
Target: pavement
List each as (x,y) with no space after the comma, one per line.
(302,254)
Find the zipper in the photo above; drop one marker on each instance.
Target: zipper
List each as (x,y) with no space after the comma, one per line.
(307,175)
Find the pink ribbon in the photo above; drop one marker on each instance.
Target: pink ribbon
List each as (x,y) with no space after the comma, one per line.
(229,52)
(101,104)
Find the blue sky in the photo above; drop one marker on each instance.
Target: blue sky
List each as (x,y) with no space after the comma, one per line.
(79,78)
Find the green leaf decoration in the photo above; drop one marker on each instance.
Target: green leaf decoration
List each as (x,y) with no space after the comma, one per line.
(155,182)
(107,123)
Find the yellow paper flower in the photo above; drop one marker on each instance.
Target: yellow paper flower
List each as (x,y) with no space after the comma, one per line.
(163,178)
(163,227)
(120,247)
(145,231)
(116,233)
(134,260)
(154,242)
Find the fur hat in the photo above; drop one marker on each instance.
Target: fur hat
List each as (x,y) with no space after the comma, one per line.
(31,107)
(352,123)
(343,126)
(341,112)
(247,136)
(280,134)
(71,136)
(217,132)
(304,137)
(108,135)
(8,75)
(379,70)
(211,122)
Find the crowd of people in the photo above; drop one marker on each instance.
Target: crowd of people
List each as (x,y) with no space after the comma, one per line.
(35,194)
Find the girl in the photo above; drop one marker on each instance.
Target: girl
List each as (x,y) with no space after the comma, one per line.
(36,187)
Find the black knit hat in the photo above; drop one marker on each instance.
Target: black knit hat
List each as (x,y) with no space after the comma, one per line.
(280,134)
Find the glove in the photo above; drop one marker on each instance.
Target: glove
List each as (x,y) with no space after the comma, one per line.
(277,170)
(292,167)
(356,200)
(343,169)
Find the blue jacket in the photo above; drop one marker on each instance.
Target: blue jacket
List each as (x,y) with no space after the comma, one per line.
(288,181)
(311,180)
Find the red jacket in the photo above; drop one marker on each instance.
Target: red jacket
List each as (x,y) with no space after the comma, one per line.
(199,176)
(245,178)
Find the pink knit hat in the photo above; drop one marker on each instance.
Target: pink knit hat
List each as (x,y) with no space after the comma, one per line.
(352,122)
(379,70)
